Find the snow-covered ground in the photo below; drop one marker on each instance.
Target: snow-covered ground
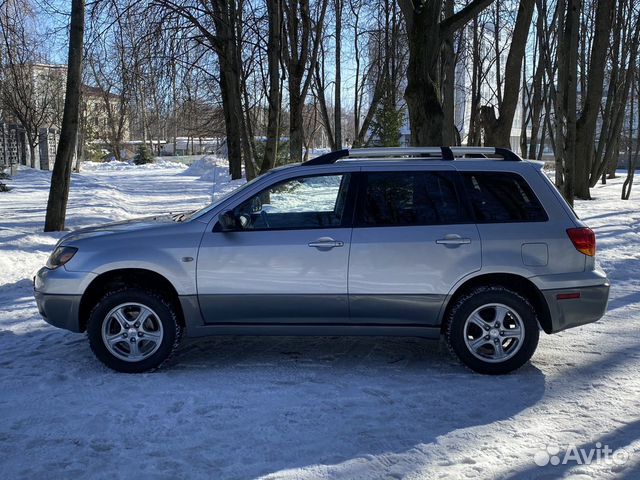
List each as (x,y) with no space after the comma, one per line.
(301,408)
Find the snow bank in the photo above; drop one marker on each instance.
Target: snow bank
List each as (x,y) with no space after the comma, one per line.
(115,165)
(210,169)
(215,171)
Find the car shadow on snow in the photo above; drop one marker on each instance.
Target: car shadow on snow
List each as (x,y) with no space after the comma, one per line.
(242,407)
(327,400)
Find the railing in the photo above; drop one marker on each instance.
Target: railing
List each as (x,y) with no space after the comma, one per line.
(414,153)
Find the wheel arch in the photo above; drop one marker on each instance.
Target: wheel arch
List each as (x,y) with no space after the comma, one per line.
(127,277)
(518,283)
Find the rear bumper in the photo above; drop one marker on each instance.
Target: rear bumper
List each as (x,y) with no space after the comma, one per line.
(583,305)
(61,311)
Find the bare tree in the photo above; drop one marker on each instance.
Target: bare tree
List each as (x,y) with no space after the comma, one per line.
(624,50)
(215,24)
(497,131)
(567,93)
(379,54)
(274,96)
(426,32)
(301,43)
(110,70)
(632,157)
(61,176)
(339,5)
(30,88)
(586,124)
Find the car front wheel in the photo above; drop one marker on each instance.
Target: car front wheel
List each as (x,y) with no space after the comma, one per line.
(492,330)
(133,330)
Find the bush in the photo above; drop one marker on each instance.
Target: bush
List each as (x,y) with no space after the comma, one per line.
(143,155)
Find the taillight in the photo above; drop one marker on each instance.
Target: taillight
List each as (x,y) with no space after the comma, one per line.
(583,239)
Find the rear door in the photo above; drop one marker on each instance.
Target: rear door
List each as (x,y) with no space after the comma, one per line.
(413,239)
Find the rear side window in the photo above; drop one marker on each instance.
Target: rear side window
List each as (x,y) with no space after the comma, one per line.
(502,197)
(409,198)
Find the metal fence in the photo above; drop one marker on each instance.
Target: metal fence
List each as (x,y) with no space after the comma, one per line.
(14,147)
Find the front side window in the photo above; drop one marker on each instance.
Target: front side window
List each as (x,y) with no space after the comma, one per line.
(409,198)
(300,203)
(502,197)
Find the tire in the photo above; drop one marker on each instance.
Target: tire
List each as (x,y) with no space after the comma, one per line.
(123,341)
(492,330)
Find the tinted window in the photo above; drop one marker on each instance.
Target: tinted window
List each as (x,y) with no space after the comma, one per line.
(409,198)
(499,197)
(300,203)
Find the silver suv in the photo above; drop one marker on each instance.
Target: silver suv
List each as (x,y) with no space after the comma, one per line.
(471,243)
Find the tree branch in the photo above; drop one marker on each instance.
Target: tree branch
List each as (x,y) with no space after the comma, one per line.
(459,19)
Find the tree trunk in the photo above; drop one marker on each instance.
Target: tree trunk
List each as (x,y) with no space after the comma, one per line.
(300,49)
(473,135)
(337,111)
(32,150)
(448,78)
(322,102)
(231,107)
(246,133)
(296,126)
(620,80)
(570,39)
(273,58)
(426,115)
(632,159)
(536,106)
(378,93)
(425,32)
(586,124)
(497,132)
(225,45)
(61,176)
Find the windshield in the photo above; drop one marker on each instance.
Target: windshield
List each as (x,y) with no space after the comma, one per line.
(217,200)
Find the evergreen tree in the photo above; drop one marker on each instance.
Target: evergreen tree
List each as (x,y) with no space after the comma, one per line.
(143,155)
(387,122)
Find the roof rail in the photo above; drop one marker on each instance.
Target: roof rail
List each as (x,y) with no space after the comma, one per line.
(505,153)
(445,153)
(396,152)
(327,158)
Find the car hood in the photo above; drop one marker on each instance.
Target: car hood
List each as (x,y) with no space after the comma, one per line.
(116,227)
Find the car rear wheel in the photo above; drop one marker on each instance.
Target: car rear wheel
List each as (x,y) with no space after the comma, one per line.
(133,330)
(492,330)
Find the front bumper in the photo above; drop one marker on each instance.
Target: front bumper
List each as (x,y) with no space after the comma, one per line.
(579,306)
(58,293)
(61,311)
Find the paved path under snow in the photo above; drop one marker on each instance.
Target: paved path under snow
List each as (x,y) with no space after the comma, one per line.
(302,408)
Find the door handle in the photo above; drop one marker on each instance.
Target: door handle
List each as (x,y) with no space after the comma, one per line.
(453,240)
(326,242)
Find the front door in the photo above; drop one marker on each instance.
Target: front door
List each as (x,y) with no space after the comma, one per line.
(286,262)
(413,239)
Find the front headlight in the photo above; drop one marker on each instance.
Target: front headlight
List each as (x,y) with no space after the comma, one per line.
(60,256)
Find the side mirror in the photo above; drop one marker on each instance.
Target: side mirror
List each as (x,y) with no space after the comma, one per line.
(256,204)
(228,221)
